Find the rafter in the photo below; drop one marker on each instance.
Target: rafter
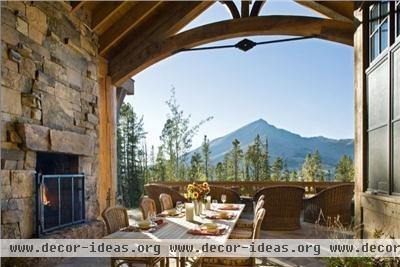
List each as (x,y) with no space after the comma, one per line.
(172,17)
(133,17)
(256,8)
(245,8)
(232,8)
(268,25)
(338,10)
(104,11)
(76,5)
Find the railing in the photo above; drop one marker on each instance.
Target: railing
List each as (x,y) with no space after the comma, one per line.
(248,188)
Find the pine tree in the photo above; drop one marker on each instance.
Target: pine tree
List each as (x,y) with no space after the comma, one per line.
(277,168)
(195,173)
(236,157)
(293,176)
(205,147)
(219,171)
(256,159)
(160,168)
(267,167)
(131,168)
(312,168)
(345,169)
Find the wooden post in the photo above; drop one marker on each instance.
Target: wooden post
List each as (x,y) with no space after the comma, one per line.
(107,136)
(360,57)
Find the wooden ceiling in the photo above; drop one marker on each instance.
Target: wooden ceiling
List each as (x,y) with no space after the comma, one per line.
(127,28)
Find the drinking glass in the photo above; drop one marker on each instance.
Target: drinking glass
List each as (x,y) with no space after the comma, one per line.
(214,204)
(223,198)
(179,206)
(152,216)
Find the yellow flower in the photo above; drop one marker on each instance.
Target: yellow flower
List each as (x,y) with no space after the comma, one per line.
(205,184)
(195,195)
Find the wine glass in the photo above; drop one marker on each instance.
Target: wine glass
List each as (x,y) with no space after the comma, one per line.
(223,198)
(152,216)
(214,204)
(179,206)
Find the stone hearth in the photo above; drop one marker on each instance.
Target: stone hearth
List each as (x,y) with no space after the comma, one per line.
(50,91)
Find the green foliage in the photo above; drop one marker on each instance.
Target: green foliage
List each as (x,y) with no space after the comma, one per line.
(345,169)
(177,138)
(195,172)
(236,157)
(256,158)
(312,168)
(277,168)
(132,162)
(219,171)
(205,148)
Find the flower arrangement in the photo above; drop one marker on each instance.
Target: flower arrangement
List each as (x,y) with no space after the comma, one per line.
(197,191)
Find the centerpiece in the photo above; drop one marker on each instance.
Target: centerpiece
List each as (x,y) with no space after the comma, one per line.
(197,192)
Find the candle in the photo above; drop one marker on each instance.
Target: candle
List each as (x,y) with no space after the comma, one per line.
(208,204)
(189,210)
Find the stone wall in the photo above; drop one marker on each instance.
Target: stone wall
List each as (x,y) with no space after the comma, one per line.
(49,102)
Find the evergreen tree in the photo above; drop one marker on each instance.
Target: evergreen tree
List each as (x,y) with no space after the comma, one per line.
(195,173)
(219,172)
(177,136)
(205,147)
(312,168)
(293,176)
(256,159)
(160,169)
(131,168)
(286,172)
(267,167)
(345,169)
(277,168)
(236,157)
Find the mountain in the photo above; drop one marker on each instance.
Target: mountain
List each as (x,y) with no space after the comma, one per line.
(288,145)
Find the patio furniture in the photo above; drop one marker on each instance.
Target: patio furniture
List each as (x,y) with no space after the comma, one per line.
(332,202)
(177,228)
(283,204)
(246,223)
(231,195)
(166,202)
(251,261)
(154,190)
(116,218)
(147,205)
(244,228)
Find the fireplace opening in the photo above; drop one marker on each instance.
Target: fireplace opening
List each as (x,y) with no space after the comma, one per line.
(60,191)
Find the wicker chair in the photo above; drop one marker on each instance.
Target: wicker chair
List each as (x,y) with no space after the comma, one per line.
(231,195)
(154,191)
(246,223)
(283,204)
(333,201)
(115,219)
(166,202)
(147,205)
(244,262)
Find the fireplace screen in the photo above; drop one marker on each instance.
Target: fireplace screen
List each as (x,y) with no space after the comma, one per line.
(61,201)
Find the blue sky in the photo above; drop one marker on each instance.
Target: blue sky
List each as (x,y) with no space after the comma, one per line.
(304,86)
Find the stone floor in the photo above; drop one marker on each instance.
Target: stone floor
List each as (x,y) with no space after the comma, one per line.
(307,231)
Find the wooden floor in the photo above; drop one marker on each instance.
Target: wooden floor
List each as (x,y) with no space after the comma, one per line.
(307,231)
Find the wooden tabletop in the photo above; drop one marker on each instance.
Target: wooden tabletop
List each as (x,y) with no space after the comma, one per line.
(177,227)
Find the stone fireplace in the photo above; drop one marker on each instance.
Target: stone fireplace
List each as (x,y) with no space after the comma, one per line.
(49,104)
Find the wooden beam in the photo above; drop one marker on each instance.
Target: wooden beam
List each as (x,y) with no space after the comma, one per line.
(107,139)
(256,8)
(76,5)
(168,20)
(136,61)
(104,11)
(337,10)
(245,8)
(232,8)
(133,17)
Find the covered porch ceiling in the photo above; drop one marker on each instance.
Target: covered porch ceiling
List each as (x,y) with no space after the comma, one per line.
(136,34)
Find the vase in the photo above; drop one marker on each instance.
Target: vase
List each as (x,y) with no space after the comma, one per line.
(198,207)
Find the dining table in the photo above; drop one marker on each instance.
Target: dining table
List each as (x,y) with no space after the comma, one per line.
(177,227)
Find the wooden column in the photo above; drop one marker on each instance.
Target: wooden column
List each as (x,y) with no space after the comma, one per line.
(107,139)
(360,57)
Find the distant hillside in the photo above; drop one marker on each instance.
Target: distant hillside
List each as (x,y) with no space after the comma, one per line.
(290,146)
